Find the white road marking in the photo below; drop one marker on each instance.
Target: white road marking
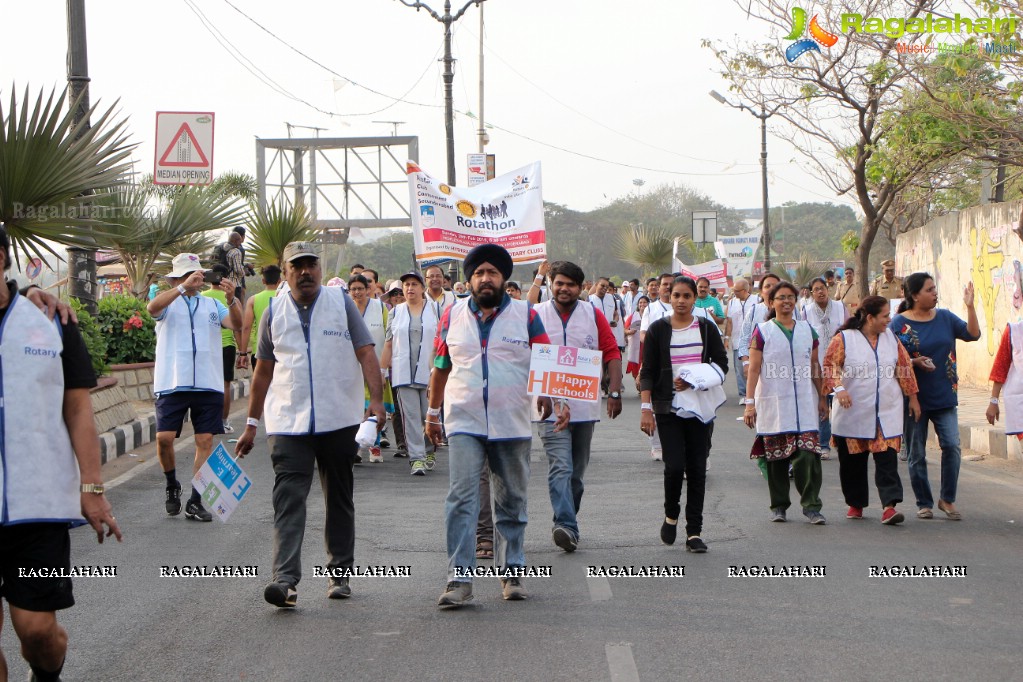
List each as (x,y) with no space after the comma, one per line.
(620,662)
(600,588)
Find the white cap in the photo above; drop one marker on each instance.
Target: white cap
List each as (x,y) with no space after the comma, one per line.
(183,264)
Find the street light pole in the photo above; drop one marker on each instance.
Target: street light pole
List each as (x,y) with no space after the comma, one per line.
(449,72)
(763,115)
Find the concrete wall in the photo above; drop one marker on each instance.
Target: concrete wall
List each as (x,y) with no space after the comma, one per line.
(979,245)
(136,380)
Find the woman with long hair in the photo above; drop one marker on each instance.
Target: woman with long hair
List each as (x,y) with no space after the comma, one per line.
(783,406)
(408,356)
(682,341)
(634,351)
(929,334)
(825,316)
(869,372)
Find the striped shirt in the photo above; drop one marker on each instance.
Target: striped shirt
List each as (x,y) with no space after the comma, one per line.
(686,347)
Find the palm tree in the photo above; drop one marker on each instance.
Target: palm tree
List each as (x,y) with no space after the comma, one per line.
(648,248)
(805,271)
(48,168)
(237,185)
(271,229)
(146,237)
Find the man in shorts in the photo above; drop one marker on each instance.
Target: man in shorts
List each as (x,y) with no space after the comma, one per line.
(189,372)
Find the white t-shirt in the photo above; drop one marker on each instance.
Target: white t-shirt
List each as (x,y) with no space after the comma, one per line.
(655,311)
(736,312)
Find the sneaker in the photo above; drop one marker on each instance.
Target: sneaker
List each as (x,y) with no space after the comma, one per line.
(854,513)
(384,443)
(816,518)
(227,427)
(792,474)
(512,590)
(280,594)
(668,532)
(778,515)
(358,456)
(195,512)
(903,455)
(563,538)
(431,460)
(455,595)
(173,504)
(696,545)
(924,513)
(338,588)
(825,453)
(401,453)
(374,456)
(891,516)
(656,454)
(418,468)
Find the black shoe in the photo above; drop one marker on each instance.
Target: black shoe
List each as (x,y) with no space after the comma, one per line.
(668,533)
(173,503)
(696,545)
(195,512)
(401,453)
(563,538)
(384,443)
(338,588)
(280,594)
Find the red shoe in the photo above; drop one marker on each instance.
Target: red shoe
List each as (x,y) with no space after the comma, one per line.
(854,513)
(891,516)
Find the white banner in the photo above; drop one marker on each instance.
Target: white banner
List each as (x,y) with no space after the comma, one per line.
(714,270)
(740,252)
(447,222)
(222,483)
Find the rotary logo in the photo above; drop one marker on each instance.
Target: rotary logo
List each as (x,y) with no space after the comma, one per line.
(466,208)
(444,189)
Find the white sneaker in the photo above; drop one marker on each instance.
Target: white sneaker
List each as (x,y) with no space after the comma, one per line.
(656,454)
(742,401)
(228,428)
(374,455)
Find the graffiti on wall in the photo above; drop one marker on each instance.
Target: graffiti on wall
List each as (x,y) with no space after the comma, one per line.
(989,275)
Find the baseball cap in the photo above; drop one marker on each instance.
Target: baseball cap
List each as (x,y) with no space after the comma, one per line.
(393,286)
(184,263)
(412,274)
(296,250)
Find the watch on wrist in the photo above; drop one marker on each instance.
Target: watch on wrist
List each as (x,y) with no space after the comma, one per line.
(95,488)
(615,394)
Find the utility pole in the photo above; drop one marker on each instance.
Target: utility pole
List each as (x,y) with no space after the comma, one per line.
(449,72)
(482,130)
(81,261)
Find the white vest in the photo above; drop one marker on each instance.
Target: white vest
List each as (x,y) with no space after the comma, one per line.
(737,313)
(401,346)
(835,314)
(188,347)
(39,476)
(785,395)
(579,332)
(446,301)
(374,319)
(317,381)
(609,305)
(1012,391)
(870,379)
(486,390)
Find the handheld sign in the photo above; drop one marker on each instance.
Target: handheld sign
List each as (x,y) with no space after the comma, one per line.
(222,483)
(565,372)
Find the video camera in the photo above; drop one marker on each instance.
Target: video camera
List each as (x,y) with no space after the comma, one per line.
(212,277)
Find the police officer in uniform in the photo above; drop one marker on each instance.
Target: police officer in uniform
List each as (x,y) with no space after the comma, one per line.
(887,285)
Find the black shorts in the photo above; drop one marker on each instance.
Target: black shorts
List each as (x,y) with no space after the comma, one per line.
(43,547)
(206,409)
(229,355)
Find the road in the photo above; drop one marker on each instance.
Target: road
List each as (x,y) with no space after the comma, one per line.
(703,626)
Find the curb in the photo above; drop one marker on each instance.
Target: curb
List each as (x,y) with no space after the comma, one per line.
(126,437)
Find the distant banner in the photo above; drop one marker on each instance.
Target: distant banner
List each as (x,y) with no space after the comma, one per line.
(740,252)
(447,222)
(714,270)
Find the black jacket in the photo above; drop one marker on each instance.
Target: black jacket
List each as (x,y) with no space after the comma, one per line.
(656,376)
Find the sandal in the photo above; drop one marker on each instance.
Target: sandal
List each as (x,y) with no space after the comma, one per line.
(924,513)
(484,550)
(952,514)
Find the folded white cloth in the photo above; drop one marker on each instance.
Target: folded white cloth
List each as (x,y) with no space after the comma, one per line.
(367,434)
(706,395)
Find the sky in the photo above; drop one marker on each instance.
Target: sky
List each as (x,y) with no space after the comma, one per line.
(626,82)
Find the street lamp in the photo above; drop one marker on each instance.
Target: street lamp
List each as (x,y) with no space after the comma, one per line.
(763,115)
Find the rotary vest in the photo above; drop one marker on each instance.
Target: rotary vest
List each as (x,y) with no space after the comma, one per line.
(580,331)
(188,347)
(1012,391)
(375,320)
(486,389)
(39,476)
(405,369)
(610,307)
(317,382)
(869,377)
(827,322)
(786,399)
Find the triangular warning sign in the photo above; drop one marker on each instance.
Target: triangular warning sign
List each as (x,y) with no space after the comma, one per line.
(183,150)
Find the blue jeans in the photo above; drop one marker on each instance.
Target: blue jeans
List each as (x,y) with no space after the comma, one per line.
(740,379)
(568,453)
(946,426)
(509,477)
(824,428)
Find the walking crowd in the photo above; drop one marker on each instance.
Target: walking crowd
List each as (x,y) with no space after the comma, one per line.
(437,364)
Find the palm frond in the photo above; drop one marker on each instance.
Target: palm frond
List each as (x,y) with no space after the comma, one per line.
(647,248)
(272,229)
(52,171)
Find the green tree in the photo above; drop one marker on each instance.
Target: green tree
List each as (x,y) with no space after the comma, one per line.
(273,228)
(647,248)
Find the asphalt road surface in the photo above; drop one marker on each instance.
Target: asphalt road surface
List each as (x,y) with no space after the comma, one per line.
(703,626)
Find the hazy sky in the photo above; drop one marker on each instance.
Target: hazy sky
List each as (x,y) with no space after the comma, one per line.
(622,81)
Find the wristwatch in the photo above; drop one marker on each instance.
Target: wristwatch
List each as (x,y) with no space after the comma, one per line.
(615,394)
(97,488)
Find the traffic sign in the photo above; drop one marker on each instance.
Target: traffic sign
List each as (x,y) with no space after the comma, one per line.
(184,148)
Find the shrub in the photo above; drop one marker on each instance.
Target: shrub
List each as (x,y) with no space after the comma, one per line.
(129,329)
(95,341)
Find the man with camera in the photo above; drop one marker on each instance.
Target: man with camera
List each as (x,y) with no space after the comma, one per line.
(189,371)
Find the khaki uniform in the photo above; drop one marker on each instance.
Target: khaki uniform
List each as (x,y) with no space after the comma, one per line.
(848,294)
(833,289)
(889,290)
